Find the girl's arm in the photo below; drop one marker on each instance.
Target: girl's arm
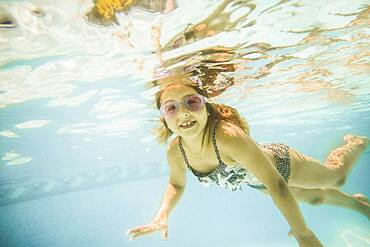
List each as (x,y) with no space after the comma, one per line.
(172,195)
(243,149)
(176,184)
(159,222)
(170,198)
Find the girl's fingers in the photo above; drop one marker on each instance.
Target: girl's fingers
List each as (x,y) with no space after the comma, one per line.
(136,229)
(165,233)
(138,234)
(140,230)
(143,230)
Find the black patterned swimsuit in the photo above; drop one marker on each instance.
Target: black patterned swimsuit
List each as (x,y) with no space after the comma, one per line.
(232,177)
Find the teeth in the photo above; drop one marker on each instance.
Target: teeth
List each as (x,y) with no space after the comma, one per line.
(186,124)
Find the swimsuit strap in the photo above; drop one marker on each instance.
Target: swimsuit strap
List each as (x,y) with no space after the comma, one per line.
(220,162)
(215,146)
(184,154)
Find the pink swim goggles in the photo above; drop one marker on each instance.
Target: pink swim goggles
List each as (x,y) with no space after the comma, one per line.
(194,102)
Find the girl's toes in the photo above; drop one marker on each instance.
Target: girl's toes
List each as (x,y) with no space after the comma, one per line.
(348,138)
(362,140)
(361,197)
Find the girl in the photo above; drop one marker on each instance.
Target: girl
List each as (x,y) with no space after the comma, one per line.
(213,142)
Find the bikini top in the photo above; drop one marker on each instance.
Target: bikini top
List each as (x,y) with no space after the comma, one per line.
(224,176)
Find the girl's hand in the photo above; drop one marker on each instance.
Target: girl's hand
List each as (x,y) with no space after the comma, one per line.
(157,224)
(307,240)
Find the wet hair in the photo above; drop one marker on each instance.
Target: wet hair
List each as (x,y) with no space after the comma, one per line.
(217,113)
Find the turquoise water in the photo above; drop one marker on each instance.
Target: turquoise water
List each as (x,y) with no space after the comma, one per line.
(79,163)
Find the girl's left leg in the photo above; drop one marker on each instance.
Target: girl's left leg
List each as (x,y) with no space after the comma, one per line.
(308,172)
(332,196)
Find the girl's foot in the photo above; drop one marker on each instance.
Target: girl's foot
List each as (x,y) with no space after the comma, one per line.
(361,140)
(363,204)
(361,197)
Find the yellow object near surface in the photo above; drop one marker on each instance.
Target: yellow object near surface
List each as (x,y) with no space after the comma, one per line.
(108,8)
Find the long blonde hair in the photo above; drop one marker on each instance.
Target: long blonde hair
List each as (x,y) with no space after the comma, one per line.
(217,113)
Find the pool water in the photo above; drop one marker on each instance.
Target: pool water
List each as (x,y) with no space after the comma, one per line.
(79,161)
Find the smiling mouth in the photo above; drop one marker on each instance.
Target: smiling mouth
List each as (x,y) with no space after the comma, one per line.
(187,124)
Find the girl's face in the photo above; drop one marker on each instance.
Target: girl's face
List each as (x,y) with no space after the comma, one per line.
(185,123)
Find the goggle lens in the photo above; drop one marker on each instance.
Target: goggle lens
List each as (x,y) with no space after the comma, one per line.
(193,102)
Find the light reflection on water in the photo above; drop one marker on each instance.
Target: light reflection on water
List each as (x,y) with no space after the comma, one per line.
(355,237)
(327,59)
(75,99)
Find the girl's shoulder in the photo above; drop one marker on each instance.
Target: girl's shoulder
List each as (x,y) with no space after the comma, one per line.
(174,153)
(228,133)
(227,129)
(173,146)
